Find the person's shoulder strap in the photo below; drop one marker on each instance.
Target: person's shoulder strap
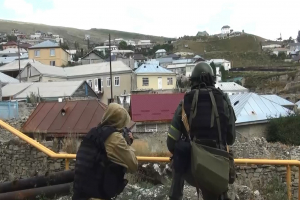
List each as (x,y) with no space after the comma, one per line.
(216,114)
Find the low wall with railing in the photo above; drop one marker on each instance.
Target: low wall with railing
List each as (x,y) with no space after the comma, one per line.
(21,159)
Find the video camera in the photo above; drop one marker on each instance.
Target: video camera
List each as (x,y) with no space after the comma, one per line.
(125,134)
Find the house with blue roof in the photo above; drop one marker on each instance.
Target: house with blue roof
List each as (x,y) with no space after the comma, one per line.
(253,113)
(49,53)
(154,77)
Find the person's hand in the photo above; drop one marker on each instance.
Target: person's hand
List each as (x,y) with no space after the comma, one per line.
(130,135)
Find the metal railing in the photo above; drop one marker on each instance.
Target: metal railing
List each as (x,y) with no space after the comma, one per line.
(67,157)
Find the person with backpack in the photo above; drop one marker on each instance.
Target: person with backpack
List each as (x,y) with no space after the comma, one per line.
(104,156)
(202,127)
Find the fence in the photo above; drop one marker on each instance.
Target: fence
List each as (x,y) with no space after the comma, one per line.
(9,109)
(67,157)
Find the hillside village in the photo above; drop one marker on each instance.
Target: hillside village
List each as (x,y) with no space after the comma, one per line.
(51,87)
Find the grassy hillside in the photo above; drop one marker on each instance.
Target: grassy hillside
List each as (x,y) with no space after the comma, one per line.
(73,34)
(241,43)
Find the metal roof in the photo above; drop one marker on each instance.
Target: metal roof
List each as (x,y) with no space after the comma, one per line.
(252,108)
(7,60)
(45,44)
(51,89)
(154,107)
(97,68)
(277,99)
(14,65)
(218,60)
(298,103)
(147,68)
(182,61)
(230,86)
(14,89)
(7,79)
(48,69)
(175,66)
(80,117)
(160,51)
(12,50)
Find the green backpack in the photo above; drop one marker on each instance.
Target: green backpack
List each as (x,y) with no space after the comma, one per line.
(209,167)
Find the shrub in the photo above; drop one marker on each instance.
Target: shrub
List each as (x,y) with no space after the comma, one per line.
(284,129)
(275,190)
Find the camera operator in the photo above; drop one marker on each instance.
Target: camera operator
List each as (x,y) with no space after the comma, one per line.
(104,156)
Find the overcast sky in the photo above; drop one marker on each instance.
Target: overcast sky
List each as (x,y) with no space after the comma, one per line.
(171,18)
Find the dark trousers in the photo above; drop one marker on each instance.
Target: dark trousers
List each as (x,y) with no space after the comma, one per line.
(176,191)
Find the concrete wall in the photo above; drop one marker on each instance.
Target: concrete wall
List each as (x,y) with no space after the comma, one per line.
(153,81)
(61,57)
(20,160)
(253,130)
(125,84)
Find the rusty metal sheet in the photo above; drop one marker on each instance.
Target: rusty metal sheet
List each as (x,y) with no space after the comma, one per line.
(60,119)
(74,116)
(96,118)
(50,117)
(87,116)
(39,116)
(80,117)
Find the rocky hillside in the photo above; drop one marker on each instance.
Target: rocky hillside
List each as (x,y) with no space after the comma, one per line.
(72,34)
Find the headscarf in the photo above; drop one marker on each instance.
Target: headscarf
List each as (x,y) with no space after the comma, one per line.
(116,116)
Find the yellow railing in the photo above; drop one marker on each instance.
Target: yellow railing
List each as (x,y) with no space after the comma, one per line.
(67,157)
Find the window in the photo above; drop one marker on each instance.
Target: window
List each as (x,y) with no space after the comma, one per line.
(117,81)
(37,53)
(108,81)
(170,81)
(52,63)
(145,82)
(52,52)
(96,84)
(150,127)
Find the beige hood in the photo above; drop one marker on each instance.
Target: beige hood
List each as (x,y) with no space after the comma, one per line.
(116,116)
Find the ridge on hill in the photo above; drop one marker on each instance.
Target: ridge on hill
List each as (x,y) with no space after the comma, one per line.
(73,34)
(243,43)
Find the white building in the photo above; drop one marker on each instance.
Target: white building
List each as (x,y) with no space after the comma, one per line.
(160,53)
(231,88)
(225,63)
(276,51)
(225,29)
(103,49)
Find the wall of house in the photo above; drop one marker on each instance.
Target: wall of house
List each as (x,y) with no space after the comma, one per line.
(144,127)
(125,84)
(252,130)
(10,46)
(91,58)
(153,81)
(61,57)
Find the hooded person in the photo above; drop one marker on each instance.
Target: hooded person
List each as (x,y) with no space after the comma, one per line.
(104,157)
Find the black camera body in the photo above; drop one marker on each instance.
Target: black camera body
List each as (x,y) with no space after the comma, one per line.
(125,134)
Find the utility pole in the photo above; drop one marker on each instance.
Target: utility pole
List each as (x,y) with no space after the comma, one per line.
(19,60)
(111,85)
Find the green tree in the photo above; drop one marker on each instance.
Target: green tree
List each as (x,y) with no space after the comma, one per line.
(76,44)
(123,45)
(12,38)
(281,55)
(213,66)
(224,73)
(63,45)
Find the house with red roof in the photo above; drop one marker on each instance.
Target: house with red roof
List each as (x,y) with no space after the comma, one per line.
(10,44)
(153,112)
